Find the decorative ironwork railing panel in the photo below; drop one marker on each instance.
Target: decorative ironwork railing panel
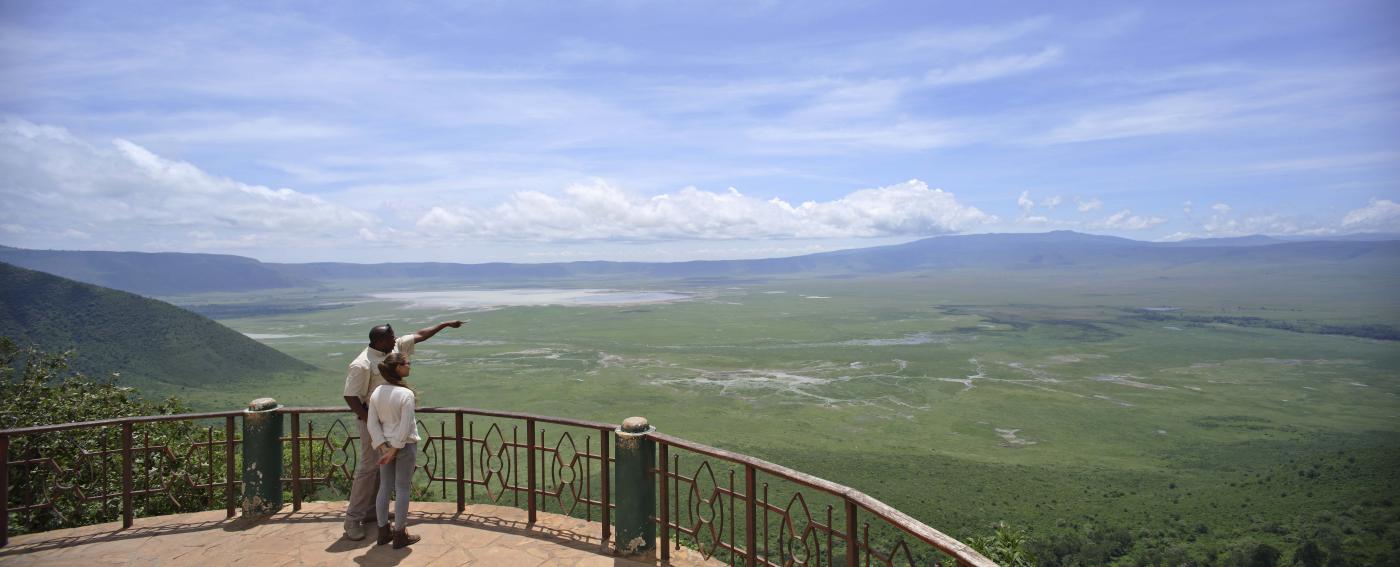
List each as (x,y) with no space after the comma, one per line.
(92,472)
(745,511)
(729,506)
(470,460)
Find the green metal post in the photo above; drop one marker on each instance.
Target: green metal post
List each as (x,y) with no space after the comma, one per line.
(262,458)
(636,488)
(5,490)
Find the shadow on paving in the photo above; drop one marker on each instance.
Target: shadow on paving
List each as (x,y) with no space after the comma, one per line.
(483,535)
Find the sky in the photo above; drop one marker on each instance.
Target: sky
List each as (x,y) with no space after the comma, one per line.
(660,131)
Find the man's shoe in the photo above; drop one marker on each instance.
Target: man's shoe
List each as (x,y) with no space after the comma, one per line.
(386,535)
(354,531)
(373,518)
(402,539)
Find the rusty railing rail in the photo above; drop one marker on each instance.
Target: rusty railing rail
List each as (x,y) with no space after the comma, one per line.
(558,475)
(556,470)
(711,506)
(61,479)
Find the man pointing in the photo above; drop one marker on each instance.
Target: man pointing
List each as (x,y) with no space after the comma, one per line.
(362,379)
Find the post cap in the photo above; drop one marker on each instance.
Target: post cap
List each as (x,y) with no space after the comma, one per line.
(635,425)
(262,404)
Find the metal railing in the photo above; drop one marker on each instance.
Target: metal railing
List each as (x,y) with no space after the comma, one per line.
(763,519)
(555,470)
(85,473)
(788,534)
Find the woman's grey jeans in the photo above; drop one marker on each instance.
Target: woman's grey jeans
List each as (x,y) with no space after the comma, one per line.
(397,475)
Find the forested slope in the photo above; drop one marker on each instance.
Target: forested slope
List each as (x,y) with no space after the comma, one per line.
(142,339)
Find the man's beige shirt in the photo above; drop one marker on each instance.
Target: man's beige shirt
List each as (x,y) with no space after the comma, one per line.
(364,370)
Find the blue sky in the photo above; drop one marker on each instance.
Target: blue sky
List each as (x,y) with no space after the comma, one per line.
(629,130)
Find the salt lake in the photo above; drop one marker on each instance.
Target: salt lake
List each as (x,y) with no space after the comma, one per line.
(484,298)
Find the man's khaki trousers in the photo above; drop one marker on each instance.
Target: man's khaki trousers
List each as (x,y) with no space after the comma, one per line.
(366,483)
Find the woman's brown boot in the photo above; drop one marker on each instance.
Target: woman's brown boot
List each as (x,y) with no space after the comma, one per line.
(402,539)
(386,535)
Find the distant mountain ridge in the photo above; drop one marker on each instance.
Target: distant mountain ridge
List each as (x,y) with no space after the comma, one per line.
(142,339)
(1062,249)
(154,274)
(177,273)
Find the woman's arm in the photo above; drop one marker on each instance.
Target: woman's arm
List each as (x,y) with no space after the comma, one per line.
(376,429)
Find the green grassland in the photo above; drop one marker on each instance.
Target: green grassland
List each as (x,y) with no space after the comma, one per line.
(1050,400)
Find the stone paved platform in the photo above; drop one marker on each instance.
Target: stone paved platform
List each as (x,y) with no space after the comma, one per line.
(482,535)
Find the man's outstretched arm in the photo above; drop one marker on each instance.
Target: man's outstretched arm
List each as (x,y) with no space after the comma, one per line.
(428,332)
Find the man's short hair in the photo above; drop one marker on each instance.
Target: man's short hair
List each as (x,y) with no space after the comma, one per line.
(380,332)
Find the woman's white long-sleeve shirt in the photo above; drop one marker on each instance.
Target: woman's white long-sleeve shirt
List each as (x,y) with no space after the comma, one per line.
(391,418)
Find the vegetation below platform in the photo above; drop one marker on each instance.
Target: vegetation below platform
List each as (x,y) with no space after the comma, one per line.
(39,388)
(1085,516)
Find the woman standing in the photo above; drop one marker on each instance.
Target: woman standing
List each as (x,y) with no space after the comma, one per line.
(393,430)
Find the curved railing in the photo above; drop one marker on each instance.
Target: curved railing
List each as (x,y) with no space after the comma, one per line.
(98,471)
(802,539)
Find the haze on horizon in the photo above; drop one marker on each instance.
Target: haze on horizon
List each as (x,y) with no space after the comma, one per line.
(695,130)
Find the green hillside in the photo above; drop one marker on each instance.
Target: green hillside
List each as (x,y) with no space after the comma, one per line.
(149,342)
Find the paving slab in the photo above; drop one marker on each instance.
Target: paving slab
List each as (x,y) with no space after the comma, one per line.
(481,535)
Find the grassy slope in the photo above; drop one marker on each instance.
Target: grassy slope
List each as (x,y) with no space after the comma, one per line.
(152,344)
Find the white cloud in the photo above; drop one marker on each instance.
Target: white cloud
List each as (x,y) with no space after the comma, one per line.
(579,50)
(1028,205)
(599,211)
(917,47)
(1187,208)
(368,235)
(1328,162)
(969,39)
(1126,220)
(1025,202)
(1263,224)
(229,129)
(1379,215)
(1223,222)
(798,138)
(1164,115)
(398,123)
(991,68)
(848,100)
(57,182)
